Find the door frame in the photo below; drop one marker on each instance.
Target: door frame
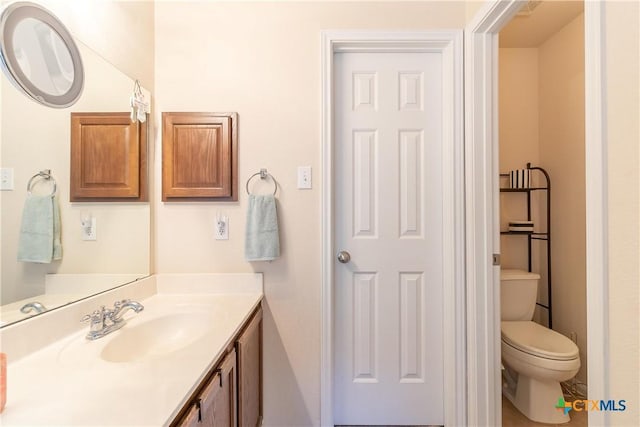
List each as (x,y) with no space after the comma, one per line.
(450,44)
(482,239)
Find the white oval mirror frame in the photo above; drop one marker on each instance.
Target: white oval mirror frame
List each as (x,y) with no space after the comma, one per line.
(32,38)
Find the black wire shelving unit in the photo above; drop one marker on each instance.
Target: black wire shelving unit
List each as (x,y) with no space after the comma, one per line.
(533,236)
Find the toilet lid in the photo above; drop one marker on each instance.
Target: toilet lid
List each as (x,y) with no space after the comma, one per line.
(537,340)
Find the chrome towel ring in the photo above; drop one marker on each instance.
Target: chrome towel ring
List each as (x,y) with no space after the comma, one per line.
(263,175)
(44,174)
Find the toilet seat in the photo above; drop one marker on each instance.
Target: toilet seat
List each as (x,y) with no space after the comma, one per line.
(536,340)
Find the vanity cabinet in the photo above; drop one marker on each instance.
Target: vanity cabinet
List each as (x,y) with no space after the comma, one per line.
(231,396)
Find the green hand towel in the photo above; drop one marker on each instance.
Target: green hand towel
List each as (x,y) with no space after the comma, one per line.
(39,239)
(262,242)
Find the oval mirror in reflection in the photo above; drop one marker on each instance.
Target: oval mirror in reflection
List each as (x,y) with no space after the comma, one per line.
(43,57)
(39,55)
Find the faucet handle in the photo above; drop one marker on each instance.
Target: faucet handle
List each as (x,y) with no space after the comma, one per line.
(119,304)
(95,317)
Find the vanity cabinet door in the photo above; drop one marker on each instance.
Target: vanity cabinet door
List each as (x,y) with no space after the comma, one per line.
(192,418)
(218,400)
(249,347)
(216,404)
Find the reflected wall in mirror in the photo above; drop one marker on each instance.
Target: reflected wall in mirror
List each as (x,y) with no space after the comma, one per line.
(34,137)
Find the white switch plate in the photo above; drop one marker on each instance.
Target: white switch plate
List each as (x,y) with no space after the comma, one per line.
(222,228)
(304,177)
(6,179)
(89,232)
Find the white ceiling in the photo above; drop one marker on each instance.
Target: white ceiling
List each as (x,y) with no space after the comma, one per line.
(534,28)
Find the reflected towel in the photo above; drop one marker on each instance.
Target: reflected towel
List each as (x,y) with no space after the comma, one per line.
(39,239)
(262,242)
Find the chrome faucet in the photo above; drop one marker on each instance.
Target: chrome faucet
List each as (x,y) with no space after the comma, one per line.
(33,306)
(120,307)
(104,321)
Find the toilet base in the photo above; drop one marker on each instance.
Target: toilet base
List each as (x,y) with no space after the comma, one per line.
(537,400)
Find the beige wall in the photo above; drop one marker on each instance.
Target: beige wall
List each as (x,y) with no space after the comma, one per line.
(263,61)
(473,7)
(562,145)
(518,133)
(622,55)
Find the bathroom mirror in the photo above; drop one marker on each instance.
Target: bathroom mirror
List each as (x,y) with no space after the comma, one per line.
(35,137)
(39,56)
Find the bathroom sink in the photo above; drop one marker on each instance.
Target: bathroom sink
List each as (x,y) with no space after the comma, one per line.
(156,337)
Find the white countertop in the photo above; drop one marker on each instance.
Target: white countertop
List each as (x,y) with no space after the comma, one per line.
(68,383)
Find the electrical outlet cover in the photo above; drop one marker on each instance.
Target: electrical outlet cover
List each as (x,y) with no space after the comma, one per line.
(89,232)
(222,228)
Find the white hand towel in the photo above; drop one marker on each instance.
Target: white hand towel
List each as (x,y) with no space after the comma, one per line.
(262,242)
(39,239)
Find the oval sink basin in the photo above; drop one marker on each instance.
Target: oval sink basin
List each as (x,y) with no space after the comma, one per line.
(156,337)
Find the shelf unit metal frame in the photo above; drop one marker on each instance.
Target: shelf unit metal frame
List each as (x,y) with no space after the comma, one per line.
(531,236)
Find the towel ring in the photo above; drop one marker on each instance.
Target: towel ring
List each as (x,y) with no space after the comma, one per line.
(45,174)
(263,175)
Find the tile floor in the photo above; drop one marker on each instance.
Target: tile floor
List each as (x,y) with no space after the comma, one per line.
(511,417)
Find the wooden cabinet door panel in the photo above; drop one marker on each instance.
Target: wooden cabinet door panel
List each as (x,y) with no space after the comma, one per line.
(108,157)
(191,418)
(218,400)
(249,347)
(199,156)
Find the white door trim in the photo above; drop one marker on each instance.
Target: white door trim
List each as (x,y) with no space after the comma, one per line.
(482,239)
(596,206)
(449,43)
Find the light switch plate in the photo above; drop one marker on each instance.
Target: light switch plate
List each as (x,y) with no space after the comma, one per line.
(304,177)
(6,179)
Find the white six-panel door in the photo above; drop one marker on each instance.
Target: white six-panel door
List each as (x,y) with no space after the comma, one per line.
(388,349)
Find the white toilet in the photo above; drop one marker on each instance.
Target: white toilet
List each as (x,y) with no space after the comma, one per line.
(536,359)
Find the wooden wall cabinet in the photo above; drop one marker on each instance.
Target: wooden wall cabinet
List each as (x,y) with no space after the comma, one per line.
(108,158)
(199,156)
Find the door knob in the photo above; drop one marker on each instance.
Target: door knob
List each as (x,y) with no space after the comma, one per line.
(344,257)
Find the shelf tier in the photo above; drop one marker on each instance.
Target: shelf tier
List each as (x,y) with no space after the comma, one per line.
(536,236)
(522,190)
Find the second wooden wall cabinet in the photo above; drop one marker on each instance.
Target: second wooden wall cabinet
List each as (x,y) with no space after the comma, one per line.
(199,156)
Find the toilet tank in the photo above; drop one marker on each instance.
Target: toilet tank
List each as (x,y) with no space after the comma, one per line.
(518,294)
